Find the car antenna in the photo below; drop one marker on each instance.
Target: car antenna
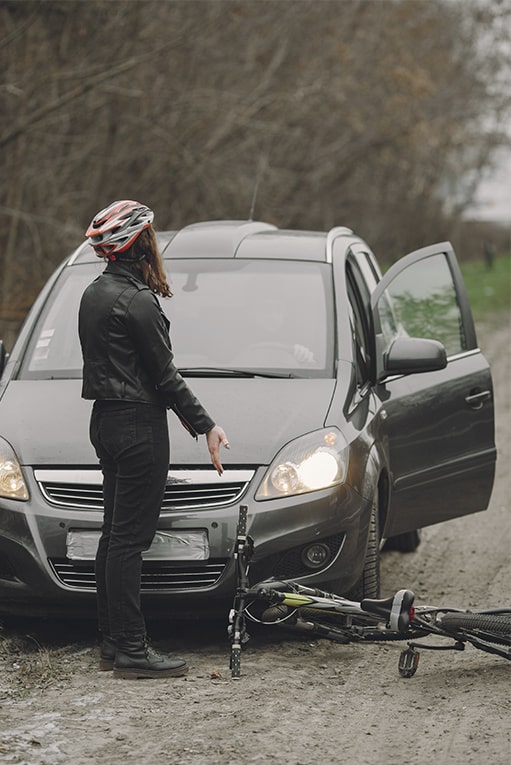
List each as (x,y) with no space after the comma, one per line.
(263,162)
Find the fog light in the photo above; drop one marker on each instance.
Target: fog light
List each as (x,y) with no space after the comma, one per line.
(316,555)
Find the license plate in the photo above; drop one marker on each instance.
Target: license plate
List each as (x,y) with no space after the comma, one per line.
(166,545)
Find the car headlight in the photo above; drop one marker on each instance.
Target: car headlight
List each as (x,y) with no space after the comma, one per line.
(312,462)
(12,483)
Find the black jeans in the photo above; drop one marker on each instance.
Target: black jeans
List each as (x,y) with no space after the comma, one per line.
(132,443)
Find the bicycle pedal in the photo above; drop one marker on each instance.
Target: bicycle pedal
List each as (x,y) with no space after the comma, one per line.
(408,662)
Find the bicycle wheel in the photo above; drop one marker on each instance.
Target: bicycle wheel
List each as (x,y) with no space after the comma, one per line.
(496,626)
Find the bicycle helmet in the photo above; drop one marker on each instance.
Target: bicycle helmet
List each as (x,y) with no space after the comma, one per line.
(114,229)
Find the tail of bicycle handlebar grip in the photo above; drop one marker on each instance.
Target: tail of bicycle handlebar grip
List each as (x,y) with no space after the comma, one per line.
(241,530)
(236,661)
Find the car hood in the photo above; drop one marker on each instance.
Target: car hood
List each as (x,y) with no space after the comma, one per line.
(47,421)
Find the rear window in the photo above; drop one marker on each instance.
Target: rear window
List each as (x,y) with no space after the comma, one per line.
(264,315)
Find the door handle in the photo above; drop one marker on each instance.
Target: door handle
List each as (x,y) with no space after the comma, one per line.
(475,399)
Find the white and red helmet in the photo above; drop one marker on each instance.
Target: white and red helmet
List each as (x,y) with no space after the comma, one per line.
(115,228)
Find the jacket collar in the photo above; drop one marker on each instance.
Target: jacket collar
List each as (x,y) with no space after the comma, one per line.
(121,268)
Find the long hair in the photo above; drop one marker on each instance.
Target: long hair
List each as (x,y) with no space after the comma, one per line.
(151,267)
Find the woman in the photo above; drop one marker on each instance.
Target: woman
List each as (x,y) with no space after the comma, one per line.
(128,371)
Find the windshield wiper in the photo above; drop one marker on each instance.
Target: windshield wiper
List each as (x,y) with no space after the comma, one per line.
(63,376)
(229,372)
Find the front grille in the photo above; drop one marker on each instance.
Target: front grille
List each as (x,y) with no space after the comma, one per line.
(73,495)
(185,489)
(155,576)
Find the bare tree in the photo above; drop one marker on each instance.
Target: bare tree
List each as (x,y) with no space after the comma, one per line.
(376,115)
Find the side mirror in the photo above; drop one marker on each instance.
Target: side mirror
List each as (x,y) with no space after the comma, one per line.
(411,355)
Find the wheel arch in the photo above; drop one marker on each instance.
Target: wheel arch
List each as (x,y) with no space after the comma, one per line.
(383,500)
(377,480)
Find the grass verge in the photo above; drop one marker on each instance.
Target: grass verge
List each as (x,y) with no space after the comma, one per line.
(489,289)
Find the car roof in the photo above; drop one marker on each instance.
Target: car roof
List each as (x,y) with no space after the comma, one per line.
(236,239)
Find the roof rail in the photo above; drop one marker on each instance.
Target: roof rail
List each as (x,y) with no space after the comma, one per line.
(250,227)
(79,250)
(228,233)
(332,236)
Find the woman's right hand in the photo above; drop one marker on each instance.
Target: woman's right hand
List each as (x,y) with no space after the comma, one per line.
(215,438)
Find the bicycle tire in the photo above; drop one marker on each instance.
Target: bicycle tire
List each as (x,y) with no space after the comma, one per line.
(497,627)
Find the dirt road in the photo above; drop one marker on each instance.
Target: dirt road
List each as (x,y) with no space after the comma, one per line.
(296,703)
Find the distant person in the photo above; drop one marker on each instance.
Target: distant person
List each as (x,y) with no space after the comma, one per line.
(129,372)
(489,253)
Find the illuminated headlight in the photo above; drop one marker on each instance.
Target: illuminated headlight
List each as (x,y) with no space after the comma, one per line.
(315,461)
(12,483)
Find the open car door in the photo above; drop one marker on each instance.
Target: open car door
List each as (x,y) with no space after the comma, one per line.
(439,424)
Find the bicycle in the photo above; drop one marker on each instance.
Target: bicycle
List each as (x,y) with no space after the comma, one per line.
(319,614)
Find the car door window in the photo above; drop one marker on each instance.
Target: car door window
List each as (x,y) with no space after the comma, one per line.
(422,301)
(359,302)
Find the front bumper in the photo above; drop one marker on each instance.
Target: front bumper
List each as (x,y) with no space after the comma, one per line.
(37,576)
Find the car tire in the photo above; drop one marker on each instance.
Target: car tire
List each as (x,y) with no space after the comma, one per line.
(368,586)
(406,543)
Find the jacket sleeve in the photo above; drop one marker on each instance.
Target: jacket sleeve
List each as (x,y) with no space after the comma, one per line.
(149,330)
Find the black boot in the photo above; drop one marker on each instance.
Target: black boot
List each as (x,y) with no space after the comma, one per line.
(136,659)
(107,654)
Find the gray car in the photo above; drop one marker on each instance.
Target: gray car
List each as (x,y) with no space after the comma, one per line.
(359,409)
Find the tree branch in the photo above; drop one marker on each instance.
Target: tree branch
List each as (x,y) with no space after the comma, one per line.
(51,106)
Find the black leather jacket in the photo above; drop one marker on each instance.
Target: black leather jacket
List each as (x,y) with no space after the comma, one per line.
(127,354)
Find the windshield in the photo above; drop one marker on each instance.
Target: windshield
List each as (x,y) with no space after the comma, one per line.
(273,317)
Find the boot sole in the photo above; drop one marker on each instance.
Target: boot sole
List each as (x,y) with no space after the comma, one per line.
(106,665)
(140,674)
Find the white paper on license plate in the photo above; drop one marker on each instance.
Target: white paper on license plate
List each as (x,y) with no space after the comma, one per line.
(166,545)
